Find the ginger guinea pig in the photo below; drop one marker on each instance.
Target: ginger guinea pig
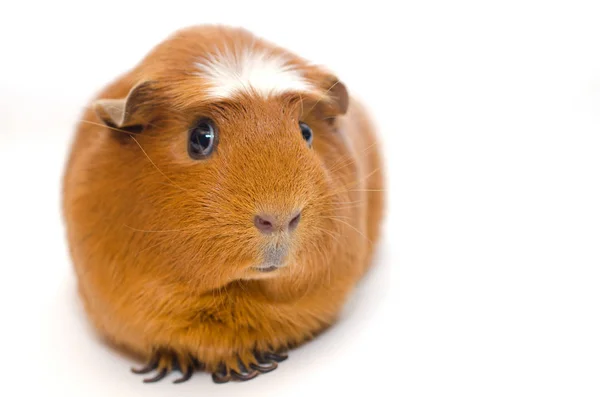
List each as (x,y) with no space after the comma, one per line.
(221,200)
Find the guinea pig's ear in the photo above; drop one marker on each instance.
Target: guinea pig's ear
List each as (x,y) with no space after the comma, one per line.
(338,96)
(335,98)
(128,111)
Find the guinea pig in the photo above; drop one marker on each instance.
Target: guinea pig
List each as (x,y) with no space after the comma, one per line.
(221,200)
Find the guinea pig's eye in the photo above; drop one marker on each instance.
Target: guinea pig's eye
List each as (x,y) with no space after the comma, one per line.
(307,133)
(202,140)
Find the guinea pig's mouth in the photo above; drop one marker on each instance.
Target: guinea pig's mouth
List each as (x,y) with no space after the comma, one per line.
(274,259)
(267,268)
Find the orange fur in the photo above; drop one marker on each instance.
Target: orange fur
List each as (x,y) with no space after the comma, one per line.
(163,245)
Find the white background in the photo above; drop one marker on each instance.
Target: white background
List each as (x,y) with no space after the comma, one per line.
(487,281)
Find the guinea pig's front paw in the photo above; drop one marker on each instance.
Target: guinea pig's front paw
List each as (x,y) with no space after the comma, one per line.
(164,361)
(250,368)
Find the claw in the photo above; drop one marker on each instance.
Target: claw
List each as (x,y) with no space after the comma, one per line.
(151,366)
(198,364)
(267,358)
(279,357)
(159,376)
(244,376)
(263,369)
(186,376)
(220,379)
(265,362)
(244,373)
(243,368)
(221,375)
(261,359)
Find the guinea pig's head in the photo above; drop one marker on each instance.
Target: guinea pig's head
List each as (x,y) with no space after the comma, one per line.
(227,161)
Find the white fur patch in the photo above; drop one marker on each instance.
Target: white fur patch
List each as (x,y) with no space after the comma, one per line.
(250,71)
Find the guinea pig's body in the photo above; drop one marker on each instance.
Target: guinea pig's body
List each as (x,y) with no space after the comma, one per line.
(222,199)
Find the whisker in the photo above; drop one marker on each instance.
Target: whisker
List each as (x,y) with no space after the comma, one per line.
(155,166)
(164,231)
(338,204)
(112,128)
(147,248)
(348,208)
(342,217)
(351,158)
(329,233)
(350,202)
(368,190)
(334,210)
(241,285)
(105,126)
(346,223)
(348,187)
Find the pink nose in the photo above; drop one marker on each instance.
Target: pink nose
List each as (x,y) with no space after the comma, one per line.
(270,223)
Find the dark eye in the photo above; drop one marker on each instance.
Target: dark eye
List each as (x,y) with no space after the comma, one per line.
(307,133)
(203,139)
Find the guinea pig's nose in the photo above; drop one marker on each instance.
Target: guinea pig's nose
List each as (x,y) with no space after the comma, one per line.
(267,223)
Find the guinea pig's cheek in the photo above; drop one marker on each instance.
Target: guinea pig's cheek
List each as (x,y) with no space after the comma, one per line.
(178,151)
